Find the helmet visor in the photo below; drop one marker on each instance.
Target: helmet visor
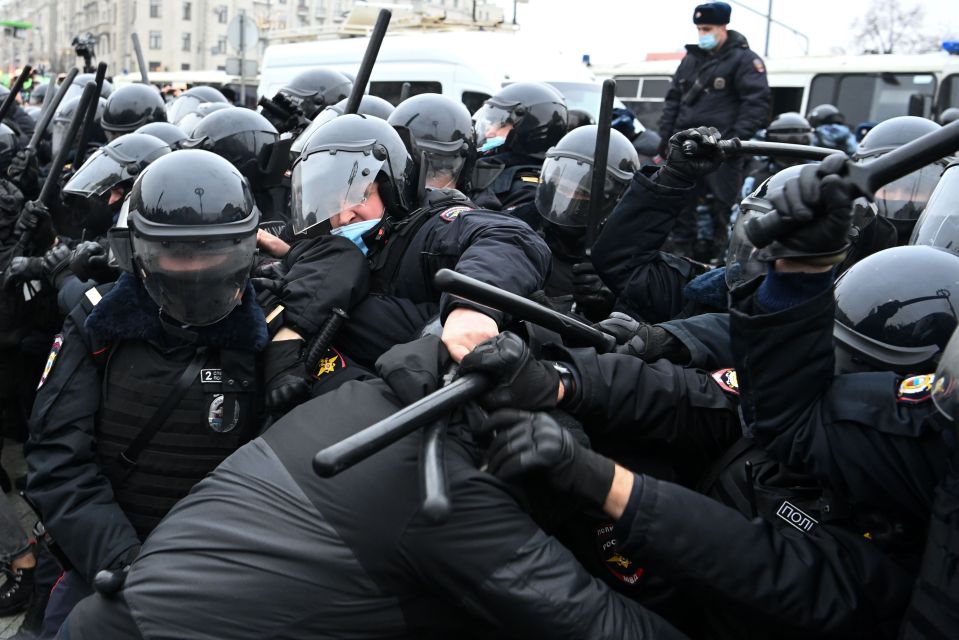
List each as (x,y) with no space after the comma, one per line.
(197,283)
(181,107)
(121,251)
(443,169)
(326,182)
(945,391)
(939,223)
(58,134)
(742,261)
(321,119)
(562,196)
(492,125)
(905,198)
(105,169)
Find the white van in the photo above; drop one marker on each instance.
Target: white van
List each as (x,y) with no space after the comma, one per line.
(465,65)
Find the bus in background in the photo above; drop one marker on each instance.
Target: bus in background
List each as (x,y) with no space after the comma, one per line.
(182,80)
(866,88)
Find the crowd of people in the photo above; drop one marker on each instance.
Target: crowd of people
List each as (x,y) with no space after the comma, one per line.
(212,295)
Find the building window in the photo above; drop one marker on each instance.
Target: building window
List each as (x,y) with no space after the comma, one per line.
(221,45)
(156,41)
(185,66)
(222,14)
(187,10)
(186,42)
(154,66)
(155,8)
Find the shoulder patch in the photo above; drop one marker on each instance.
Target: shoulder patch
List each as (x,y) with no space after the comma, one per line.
(727,380)
(624,569)
(453,213)
(331,362)
(760,67)
(52,358)
(916,389)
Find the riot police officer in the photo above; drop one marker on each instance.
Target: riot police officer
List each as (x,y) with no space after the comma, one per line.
(155,379)
(514,130)
(305,96)
(830,129)
(190,100)
(169,133)
(356,177)
(130,107)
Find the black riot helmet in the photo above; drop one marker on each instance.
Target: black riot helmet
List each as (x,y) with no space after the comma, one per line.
(949,115)
(578,118)
(939,223)
(825,114)
(945,392)
(339,164)
(315,89)
(188,102)
(901,201)
(169,133)
(192,224)
(75,90)
(789,127)
(441,134)
(113,166)
(9,145)
(132,106)
(38,92)
(527,118)
(563,194)
(369,106)
(242,136)
(895,310)
(60,124)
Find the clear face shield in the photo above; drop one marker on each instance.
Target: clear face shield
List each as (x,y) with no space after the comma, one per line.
(742,260)
(328,181)
(492,124)
(939,223)
(321,119)
(181,107)
(562,196)
(196,282)
(945,390)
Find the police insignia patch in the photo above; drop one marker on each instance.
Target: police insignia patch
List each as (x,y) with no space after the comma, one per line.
(760,67)
(916,388)
(727,380)
(329,363)
(215,416)
(54,352)
(625,570)
(452,213)
(719,83)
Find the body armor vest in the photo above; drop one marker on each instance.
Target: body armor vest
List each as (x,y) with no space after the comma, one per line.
(201,431)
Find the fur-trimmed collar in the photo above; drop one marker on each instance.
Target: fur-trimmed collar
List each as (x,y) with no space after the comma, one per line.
(128,312)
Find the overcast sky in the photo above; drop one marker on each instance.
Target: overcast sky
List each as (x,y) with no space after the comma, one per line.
(625,30)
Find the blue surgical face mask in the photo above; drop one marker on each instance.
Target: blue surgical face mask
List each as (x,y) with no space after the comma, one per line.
(708,41)
(492,143)
(354,232)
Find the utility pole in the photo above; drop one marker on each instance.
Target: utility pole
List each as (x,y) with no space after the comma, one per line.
(769,24)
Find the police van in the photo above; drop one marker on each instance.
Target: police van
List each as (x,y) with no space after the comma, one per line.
(866,88)
(469,66)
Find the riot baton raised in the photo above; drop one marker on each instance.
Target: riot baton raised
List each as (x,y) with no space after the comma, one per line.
(369,59)
(522,309)
(600,159)
(867,177)
(51,109)
(347,452)
(49,190)
(737,147)
(11,98)
(138,50)
(405,91)
(90,117)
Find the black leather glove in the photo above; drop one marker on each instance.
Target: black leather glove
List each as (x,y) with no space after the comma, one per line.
(90,260)
(56,262)
(593,298)
(11,203)
(108,582)
(24,170)
(35,225)
(534,443)
(522,382)
(287,381)
(619,325)
(22,269)
(267,281)
(814,214)
(682,170)
(651,342)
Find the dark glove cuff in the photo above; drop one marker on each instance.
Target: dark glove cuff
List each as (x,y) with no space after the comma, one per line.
(595,479)
(669,176)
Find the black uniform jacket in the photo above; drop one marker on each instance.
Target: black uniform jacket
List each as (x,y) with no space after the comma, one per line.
(872,437)
(648,283)
(726,89)
(265,548)
(491,247)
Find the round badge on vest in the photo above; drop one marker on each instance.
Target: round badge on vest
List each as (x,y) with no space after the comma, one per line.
(719,84)
(215,416)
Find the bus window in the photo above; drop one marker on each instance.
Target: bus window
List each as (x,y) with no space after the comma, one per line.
(627,88)
(390,91)
(644,96)
(786,99)
(655,88)
(948,93)
(865,97)
(474,100)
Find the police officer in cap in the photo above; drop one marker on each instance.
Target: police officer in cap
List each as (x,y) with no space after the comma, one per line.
(720,83)
(356,178)
(154,379)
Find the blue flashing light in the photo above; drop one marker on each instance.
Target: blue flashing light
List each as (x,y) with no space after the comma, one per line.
(951,46)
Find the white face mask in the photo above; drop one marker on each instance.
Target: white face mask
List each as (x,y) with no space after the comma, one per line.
(354,232)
